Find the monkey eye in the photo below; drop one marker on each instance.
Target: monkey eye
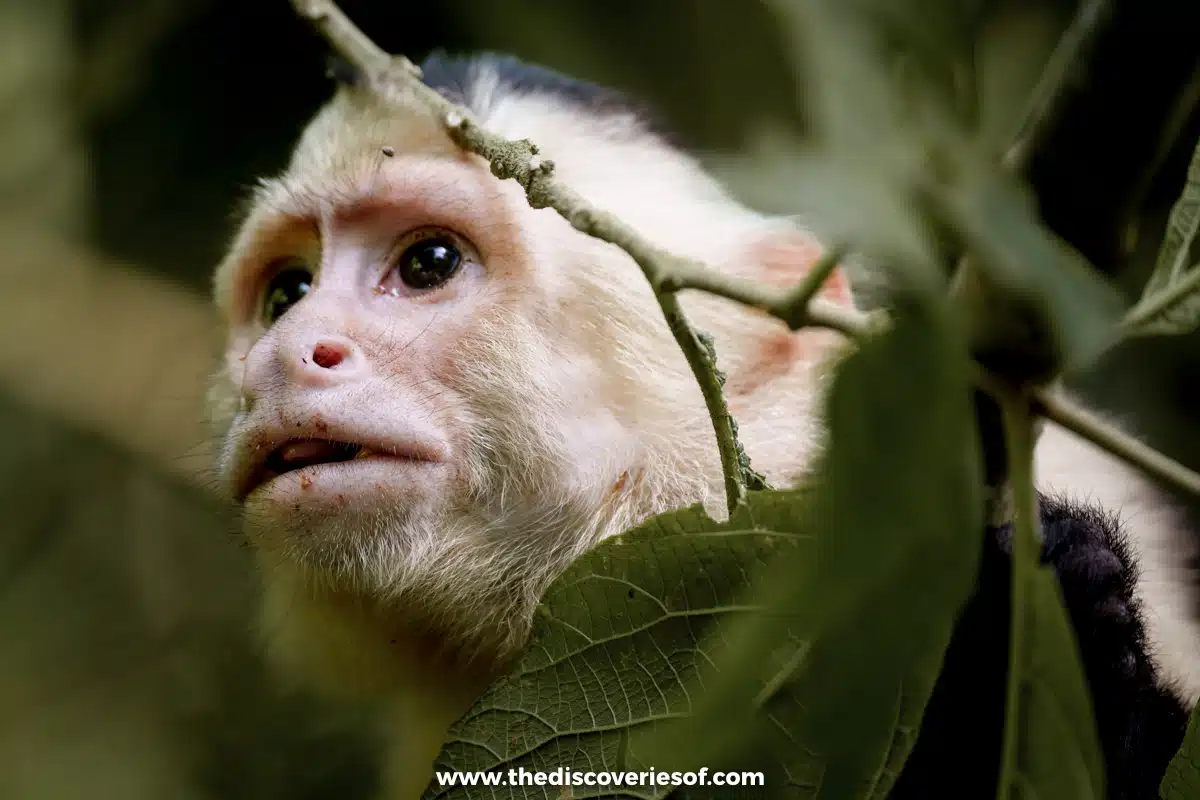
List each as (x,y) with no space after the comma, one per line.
(288,287)
(430,261)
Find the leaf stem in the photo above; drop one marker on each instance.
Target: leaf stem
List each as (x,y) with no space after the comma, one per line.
(1018,435)
(1150,308)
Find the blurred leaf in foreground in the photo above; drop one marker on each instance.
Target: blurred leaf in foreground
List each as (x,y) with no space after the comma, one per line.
(1182,781)
(928,190)
(896,505)
(1058,752)
(998,223)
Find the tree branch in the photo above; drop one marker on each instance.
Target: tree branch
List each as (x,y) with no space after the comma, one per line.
(1059,409)
(798,307)
(396,76)
(348,40)
(520,161)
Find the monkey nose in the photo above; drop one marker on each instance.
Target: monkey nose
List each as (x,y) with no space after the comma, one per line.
(328,355)
(330,359)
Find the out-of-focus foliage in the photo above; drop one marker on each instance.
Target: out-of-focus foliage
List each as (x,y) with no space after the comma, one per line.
(900,431)
(131,666)
(1182,780)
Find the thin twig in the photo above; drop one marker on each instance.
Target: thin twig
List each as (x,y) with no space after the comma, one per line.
(795,304)
(347,38)
(1062,411)
(520,161)
(796,307)
(1056,80)
(1067,414)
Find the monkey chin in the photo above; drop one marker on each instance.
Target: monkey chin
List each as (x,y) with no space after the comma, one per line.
(376,579)
(359,525)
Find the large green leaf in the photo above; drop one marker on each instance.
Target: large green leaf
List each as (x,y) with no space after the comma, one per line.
(1182,781)
(620,641)
(1174,266)
(896,511)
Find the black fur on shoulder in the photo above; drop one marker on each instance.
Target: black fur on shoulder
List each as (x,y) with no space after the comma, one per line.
(1140,723)
(452,76)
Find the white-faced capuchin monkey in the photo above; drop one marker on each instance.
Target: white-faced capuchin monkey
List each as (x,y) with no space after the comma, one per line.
(436,397)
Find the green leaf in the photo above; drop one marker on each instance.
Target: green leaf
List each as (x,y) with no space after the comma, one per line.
(1182,781)
(1000,226)
(1058,752)
(896,504)
(891,196)
(847,198)
(619,642)
(1172,270)
(1050,744)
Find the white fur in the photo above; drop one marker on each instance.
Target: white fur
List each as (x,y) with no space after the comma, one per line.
(1167,587)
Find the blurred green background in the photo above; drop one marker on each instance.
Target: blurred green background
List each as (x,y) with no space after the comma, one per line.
(129,130)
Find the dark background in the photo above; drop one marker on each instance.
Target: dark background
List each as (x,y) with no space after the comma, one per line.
(128,132)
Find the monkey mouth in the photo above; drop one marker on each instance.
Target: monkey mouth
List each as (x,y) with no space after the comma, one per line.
(264,453)
(302,453)
(296,454)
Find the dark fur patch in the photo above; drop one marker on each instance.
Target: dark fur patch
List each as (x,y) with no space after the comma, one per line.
(453,76)
(1140,722)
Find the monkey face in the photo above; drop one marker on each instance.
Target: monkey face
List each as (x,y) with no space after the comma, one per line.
(405,411)
(435,397)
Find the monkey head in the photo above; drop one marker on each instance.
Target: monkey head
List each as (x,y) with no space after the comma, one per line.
(434,396)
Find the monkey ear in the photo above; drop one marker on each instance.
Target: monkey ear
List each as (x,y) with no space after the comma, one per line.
(782,258)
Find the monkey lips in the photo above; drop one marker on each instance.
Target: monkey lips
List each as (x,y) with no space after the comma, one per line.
(265,461)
